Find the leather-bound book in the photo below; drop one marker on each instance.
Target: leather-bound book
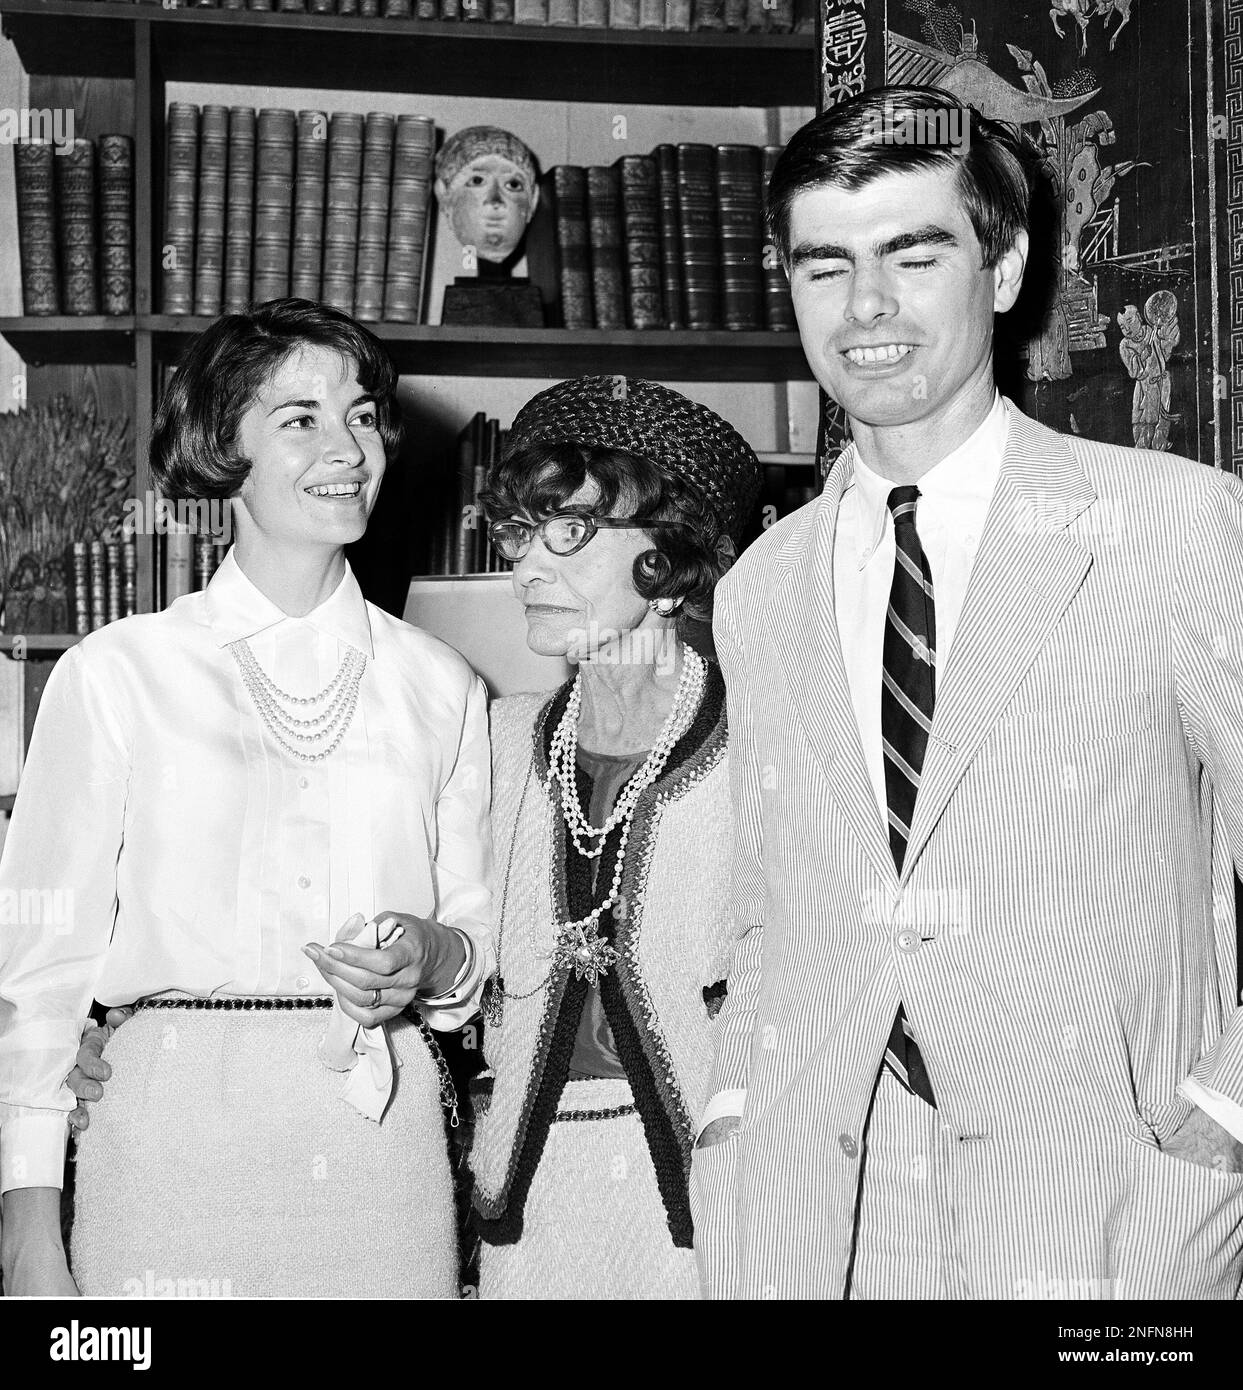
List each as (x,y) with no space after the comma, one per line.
(373,216)
(673,291)
(409,213)
(345,158)
(530,11)
(738,199)
(651,14)
(180,199)
(604,221)
(239,211)
(36,227)
(562,14)
(778,306)
(698,216)
(274,162)
(209,229)
(573,246)
(593,14)
(641,239)
(310,175)
(75,229)
(623,14)
(677,15)
(708,14)
(116,223)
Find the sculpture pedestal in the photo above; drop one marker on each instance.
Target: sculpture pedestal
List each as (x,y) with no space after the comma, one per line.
(492,303)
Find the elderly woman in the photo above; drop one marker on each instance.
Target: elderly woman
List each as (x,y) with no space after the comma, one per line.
(223,788)
(619,503)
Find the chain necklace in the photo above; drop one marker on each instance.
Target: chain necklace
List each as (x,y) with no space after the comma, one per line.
(321,732)
(579,945)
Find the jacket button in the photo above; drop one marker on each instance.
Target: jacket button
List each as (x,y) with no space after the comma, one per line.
(908,941)
(847,1145)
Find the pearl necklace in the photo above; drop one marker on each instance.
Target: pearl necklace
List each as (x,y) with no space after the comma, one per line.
(579,943)
(322,732)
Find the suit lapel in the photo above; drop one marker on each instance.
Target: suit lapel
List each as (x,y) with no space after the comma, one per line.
(810,650)
(1026,573)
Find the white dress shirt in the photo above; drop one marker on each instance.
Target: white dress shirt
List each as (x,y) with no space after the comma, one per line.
(163,840)
(954,498)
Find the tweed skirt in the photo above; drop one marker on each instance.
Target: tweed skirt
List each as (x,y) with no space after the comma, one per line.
(594,1225)
(222,1161)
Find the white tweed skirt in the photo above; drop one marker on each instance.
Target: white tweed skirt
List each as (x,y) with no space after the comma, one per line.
(222,1162)
(594,1224)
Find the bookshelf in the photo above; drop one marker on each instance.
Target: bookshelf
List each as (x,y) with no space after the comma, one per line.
(134,51)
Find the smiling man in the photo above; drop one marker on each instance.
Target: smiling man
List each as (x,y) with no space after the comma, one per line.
(982,1037)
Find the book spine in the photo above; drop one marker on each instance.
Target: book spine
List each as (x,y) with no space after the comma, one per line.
(210,220)
(373,216)
(239,209)
(778,306)
(116,223)
(593,14)
(98,586)
(677,15)
(178,562)
(204,557)
(259,4)
(75,219)
(738,178)
(36,227)
(562,13)
(479,537)
(464,495)
(321,6)
(310,173)
(573,246)
(345,155)
(530,11)
(708,14)
(112,558)
(805,16)
(755,15)
(781,17)
(292,6)
(129,577)
(274,156)
(450,9)
(604,216)
(347,7)
(427,9)
(474,11)
(651,14)
(672,288)
(487,557)
(697,215)
(369,9)
(81,589)
(623,14)
(641,239)
(180,197)
(396,9)
(409,213)
(501,11)
(734,14)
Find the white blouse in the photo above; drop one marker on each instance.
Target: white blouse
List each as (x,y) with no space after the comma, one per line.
(163,840)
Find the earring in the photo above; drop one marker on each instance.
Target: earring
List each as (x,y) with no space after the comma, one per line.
(663,606)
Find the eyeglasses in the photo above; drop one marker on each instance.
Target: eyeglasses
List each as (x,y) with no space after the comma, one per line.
(564,534)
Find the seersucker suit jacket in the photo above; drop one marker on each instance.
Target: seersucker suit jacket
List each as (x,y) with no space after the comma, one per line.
(1062,933)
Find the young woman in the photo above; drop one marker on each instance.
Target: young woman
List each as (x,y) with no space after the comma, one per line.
(224,788)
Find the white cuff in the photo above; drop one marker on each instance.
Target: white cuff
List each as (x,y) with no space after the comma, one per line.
(32,1149)
(1227,1113)
(723,1104)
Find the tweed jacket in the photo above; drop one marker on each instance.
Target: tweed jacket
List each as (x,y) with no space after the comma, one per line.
(673,938)
(1062,933)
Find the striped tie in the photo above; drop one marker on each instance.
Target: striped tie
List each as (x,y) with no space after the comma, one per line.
(908,692)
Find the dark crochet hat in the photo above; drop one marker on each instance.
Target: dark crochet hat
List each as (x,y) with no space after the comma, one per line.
(683,439)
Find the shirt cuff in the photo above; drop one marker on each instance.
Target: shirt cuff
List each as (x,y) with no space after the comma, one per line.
(720,1107)
(32,1149)
(1227,1113)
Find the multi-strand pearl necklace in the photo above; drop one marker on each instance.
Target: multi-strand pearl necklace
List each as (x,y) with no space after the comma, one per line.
(322,731)
(579,943)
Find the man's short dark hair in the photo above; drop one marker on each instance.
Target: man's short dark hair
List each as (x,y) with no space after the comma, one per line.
(845,147)
(194,452)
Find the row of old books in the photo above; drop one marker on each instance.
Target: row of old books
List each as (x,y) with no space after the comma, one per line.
(328,207)
(772,16)
(75,225)
(458,544)
(186,561)
(674,239)
(103,582)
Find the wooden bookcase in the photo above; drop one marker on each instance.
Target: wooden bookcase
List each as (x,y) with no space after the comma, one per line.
(122,56)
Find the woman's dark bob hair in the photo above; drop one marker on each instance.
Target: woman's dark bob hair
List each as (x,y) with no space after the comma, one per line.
(194,451)
(539,479)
